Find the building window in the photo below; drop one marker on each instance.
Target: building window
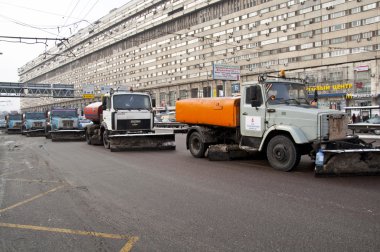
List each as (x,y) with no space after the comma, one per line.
(369,7)
(356,23)
(338,27)
(362,82)
(182,94)
(207,91)
(194,93)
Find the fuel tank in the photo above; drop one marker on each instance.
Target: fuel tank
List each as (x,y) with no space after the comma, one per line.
(94,112)
(218,111)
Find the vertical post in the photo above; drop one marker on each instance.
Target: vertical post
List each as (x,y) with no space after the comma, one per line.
(224,88)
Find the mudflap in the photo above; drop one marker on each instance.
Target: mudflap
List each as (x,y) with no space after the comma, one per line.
(350,162)
(224,152)
(154,141)
(67,135)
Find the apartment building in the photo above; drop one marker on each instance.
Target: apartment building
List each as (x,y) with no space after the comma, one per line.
(169,48)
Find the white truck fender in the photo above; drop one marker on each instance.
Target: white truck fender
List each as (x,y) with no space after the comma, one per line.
(296,133)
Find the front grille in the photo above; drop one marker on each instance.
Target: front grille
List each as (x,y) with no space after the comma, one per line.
(17,125)
(133,124)
(37,124)
(67,124)
(333,126)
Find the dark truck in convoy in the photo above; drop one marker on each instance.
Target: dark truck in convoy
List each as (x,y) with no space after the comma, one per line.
(63,124)
(33,123)
(14,122)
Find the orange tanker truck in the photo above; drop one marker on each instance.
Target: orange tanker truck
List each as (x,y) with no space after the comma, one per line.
(274,116)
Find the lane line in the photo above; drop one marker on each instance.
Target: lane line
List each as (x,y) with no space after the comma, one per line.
(31,199)
(68,231)
(35,180)
(129,245)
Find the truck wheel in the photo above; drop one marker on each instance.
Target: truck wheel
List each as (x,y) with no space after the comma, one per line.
(196,145)
(106,141)
(282,153)
(47,133)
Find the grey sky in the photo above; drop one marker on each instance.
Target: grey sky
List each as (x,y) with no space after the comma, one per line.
(41,19)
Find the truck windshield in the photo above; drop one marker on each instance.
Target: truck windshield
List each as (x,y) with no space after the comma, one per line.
(35,116)
(64,113)
(131,101)
(14,117)
(286,93)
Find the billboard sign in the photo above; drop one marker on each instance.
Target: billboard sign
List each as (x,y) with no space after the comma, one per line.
(225,72)
(105,90)
(88,91)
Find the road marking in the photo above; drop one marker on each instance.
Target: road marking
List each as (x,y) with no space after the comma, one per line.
(35,180)
(31,199)
(127,247)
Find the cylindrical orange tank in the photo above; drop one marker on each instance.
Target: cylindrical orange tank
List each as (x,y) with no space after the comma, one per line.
(93,112)
(221,111)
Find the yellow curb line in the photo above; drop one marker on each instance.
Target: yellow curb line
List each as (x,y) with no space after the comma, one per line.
(126,248)
(34,180)
(31,199)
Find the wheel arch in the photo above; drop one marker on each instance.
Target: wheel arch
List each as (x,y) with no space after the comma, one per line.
(294,133)
(204,131)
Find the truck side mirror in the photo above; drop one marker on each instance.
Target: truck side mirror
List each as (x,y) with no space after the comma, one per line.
(104,103)
(255,95)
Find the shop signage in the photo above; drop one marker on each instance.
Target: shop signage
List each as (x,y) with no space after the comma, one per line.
(330,87)
(352,96)
(361,68)
(88,92)
(235,88)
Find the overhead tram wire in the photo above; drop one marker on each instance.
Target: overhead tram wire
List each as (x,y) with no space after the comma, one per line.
(69,16)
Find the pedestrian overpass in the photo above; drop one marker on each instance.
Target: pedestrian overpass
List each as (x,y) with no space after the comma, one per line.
(31,90)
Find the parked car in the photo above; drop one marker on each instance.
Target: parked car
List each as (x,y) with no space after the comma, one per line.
(168,117)
(3,123)
(370,125)
(83,122)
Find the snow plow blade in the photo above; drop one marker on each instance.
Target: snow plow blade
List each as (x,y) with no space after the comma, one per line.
(350,162)
(14,131)
(67,135)
(35,133)
(157,141)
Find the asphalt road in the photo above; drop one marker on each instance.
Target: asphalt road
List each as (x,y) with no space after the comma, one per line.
(68,196)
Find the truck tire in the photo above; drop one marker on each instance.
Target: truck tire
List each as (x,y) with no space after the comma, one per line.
(88,138)
(282,153)
(47,133)
(106,141)
(196,145)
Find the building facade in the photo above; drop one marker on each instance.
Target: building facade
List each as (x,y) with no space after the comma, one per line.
(169,48)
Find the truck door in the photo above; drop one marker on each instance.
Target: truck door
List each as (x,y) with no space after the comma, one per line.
(107,117)
(252,112)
